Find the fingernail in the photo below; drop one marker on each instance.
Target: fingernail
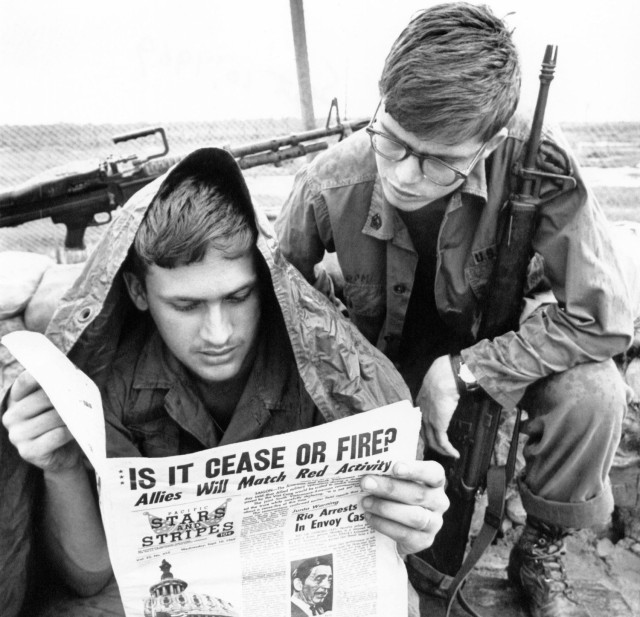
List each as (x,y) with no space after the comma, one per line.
(369,484)
(367,502)
(401,469)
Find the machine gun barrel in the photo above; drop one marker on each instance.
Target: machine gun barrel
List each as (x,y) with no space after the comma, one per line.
(83,195)
(273,145)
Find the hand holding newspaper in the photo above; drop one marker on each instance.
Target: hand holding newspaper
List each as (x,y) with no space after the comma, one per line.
(229,531)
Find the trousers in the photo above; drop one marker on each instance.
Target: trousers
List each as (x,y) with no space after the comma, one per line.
(573,427)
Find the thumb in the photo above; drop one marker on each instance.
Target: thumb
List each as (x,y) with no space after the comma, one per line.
(439,441)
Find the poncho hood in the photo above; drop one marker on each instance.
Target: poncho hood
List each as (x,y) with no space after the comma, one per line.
(342,372)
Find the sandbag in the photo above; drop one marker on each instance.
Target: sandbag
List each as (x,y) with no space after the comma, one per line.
(20,275)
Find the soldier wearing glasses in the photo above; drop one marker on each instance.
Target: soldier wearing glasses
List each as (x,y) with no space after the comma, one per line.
(411,208)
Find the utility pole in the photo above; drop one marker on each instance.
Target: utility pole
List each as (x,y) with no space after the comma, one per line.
(302,63)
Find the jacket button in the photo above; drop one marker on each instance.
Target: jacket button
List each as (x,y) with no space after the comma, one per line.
(399,289)
(376,221)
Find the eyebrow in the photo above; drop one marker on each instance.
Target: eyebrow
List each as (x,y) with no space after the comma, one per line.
(249,286)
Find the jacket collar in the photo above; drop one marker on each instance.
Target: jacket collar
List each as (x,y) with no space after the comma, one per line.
(263,395)
(384,223)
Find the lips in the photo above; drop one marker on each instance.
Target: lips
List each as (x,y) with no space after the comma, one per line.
(217,355)
(217,352)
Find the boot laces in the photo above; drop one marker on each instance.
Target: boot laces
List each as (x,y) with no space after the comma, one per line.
(548,553)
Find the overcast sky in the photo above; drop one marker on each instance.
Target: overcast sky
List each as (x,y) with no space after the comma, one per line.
(162,60)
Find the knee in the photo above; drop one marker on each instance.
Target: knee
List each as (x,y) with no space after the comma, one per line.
(592,397)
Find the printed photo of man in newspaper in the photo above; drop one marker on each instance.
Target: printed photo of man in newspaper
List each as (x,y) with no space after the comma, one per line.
(199,334)
(311,587)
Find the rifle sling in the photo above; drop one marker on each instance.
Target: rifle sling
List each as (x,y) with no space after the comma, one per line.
(449,587)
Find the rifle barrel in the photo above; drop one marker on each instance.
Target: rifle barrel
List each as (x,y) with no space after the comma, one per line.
(546,77)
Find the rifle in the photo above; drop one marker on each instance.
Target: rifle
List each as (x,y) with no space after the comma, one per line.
(474,427)
(80,197)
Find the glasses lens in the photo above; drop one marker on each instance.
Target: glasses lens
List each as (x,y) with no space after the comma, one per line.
(432,168)
(438,172)
(388,148)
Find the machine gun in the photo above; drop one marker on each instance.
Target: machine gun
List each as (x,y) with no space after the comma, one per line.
(86,195)
(443,567)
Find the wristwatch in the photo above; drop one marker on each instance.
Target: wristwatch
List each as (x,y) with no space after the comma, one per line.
(465,380)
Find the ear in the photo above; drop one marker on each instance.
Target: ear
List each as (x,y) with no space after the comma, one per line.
(495,141)
(297,584)
(136,291)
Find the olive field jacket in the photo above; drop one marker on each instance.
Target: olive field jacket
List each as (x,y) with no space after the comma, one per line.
(337,205)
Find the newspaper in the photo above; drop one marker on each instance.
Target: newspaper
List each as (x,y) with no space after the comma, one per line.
(221,532)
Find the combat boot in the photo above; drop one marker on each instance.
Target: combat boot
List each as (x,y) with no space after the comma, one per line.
(536,568)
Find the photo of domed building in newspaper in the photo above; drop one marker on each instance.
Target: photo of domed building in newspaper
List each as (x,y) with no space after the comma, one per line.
(169,599)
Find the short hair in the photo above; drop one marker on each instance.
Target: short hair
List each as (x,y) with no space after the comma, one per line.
(184,221)
(452,74)
(305,567)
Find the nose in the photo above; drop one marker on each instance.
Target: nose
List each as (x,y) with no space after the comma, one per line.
(216,327)
(408,171)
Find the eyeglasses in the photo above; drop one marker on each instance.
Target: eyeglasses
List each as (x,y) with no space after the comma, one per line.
(432,168)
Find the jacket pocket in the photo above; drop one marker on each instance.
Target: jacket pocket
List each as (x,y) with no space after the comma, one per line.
(366,306)
(478,276)
(364,300)
(156,438)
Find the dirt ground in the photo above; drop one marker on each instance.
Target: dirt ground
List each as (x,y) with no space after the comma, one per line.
(605,576)
(603,568)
